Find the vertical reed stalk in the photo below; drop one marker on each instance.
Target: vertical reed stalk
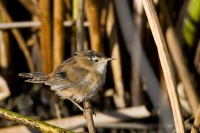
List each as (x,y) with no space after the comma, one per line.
(111,31)
(178,58)
(46,36)
(94,28)
(79,25)
(165,63)
(58,42)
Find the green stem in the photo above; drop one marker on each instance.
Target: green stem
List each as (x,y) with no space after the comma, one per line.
(42,126)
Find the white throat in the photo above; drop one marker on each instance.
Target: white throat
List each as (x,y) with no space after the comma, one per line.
(102,68)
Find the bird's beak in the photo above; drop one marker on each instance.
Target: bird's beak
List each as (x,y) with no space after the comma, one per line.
(109,59)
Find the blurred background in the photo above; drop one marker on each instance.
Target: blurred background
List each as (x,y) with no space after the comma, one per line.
(38,35)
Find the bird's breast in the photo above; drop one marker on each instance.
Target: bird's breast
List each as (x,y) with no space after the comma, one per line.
(85,89)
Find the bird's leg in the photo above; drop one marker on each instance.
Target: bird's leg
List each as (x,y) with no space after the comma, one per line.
(88,107)
(76,104)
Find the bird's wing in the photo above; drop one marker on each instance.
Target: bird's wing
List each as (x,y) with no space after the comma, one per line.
(71,77)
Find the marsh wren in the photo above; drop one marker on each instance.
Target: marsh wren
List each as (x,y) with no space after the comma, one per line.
(77,79)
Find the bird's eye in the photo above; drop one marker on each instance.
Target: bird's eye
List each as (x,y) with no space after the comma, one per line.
(96,60)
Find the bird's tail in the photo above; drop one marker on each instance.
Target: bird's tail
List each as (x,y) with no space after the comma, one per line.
(35,77)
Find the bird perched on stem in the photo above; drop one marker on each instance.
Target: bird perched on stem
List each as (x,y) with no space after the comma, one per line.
(77,79)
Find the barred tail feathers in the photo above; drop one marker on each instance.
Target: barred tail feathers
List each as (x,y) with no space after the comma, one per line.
(35,77)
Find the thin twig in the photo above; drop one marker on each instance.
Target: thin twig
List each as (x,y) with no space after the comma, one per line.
(29,24)
(165,63)
(42,126)
(88,116)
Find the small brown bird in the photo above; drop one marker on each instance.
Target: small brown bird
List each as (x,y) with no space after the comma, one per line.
(77,79)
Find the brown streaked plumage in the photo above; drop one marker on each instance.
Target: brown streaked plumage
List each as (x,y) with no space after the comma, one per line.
(77,79)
